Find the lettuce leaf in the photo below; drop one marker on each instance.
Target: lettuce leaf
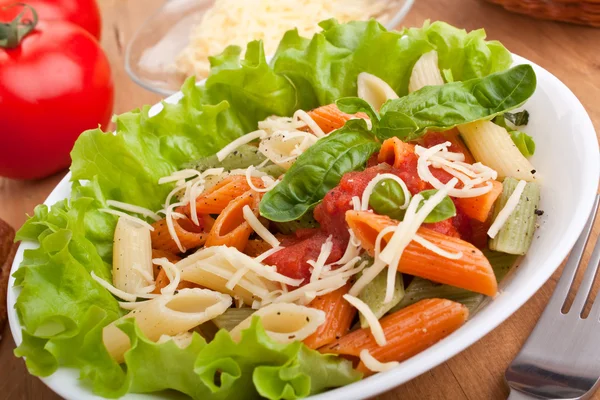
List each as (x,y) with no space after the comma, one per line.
(326,67)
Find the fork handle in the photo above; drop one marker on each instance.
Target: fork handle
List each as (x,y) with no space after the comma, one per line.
(516,395)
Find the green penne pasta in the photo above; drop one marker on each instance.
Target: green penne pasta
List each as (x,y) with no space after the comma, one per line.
(501,262)
(516,234)
(232,317)
(420,289)
(374,293)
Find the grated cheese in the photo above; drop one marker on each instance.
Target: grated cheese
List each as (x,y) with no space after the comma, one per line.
(301,115)
(235,22)
(507,210)
(268,253)
(432,247)
(365,310)
(133,208)
(131,305)
(373,364)
(173,274)
(470,175)
(118,292)
(321,259)
(322,286)
(258,227)
(235,279)
(128,217)
(247,138)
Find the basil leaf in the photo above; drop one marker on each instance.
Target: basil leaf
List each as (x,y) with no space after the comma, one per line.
(442,211)
(524,142)
(386,199)
(318,170)
(443,107)
(352,105)
(519,118)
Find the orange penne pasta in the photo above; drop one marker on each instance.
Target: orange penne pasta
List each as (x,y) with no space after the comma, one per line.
(338,317)
(230,228)
(479,207)
(189,234)
(162,280)
(215,199)
(472,271)
(162,254)
(408,332)
(256,247)
(330,117)
(394,151)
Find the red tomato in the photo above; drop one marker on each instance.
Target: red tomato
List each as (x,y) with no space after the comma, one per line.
(54,85)
(84,13)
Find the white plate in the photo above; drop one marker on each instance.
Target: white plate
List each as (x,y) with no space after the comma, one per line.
(567,161)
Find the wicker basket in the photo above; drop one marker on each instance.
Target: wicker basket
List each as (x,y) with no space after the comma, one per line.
(585,12)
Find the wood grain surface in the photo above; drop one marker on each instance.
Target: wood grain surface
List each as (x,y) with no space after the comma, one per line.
(570,52)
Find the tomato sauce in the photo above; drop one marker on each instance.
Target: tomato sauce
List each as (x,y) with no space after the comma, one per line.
(305,244)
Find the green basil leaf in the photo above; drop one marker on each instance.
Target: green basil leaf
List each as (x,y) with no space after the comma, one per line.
(318,170)
(386,199)
(442,211)
(524,142)
(352,105)
(519,118)
(443,107)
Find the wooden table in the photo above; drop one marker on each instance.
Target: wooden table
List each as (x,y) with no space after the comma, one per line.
(569,52)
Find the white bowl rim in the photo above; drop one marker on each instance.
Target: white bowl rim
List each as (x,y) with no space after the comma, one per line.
(433,356)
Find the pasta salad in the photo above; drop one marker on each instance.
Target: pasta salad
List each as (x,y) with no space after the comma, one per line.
(287,227)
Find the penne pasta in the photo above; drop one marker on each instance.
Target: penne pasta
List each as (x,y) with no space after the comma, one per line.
(480,207)
(215,199)
(394,152)
(230,228)
(167,315)
(132,257)
(330,117)
(425,72)
(472,271)
(214,267)
(191,236)
(256,247)
(232,317)
(374,90)
(492,145)
(338,317)
(162,254)
(284,322)
(408,332)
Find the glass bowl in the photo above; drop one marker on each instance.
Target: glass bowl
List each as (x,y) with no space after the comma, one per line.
(150,55)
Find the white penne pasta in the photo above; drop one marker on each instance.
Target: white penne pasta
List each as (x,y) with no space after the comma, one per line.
(425,72)
(215,267)
(132,257)
(284,322)
(374,90)
(283,147)
(491,145)
(181,340)
(167,315)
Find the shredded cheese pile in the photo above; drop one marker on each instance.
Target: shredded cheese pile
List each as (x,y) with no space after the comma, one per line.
(237,22)
(471,175)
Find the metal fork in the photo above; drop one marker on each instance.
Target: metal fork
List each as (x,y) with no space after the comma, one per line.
(561,357)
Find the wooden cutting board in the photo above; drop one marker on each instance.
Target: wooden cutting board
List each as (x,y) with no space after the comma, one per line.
(569,52)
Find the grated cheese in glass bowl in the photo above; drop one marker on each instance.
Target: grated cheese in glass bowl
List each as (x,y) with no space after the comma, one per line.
(176,41)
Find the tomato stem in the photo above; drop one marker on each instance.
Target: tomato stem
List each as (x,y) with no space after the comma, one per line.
(13,32)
